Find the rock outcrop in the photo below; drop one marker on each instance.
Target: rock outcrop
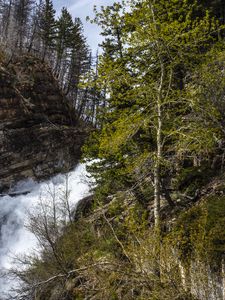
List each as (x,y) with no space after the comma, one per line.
(39,133)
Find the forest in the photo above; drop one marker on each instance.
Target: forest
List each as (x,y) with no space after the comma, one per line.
(154,102)
(31,27)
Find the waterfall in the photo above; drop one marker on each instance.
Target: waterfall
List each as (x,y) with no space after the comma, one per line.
(15,239)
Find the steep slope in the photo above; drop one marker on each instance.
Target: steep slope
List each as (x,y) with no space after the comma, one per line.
(39,133)
(111,252)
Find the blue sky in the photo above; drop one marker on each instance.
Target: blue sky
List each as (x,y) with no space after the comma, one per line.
(81,9)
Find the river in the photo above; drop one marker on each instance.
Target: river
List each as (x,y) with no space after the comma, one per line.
(15,238)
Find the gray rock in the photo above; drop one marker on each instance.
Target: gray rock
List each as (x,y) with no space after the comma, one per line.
(39,132)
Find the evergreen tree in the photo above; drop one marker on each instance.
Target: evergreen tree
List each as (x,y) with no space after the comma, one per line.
(47,26)
(78,55)
(64,38)
(152,117)
(109,18)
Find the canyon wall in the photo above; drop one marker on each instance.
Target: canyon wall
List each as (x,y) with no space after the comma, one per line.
(39,132)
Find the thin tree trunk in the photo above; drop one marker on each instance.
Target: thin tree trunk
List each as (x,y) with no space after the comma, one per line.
(184,277)
(223,277)
(157,194)
(157,171)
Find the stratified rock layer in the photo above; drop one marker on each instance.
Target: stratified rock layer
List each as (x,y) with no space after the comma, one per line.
(39,133)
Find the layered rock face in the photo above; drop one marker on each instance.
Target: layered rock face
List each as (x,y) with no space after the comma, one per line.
(39,133)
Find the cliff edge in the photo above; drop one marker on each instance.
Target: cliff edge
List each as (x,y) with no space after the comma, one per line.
(39,132)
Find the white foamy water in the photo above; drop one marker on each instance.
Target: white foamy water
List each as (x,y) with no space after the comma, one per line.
(15,239)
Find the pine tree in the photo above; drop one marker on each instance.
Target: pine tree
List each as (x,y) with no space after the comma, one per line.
(153,117)
(78,55)
(47,26)
(64,39)
(109,18)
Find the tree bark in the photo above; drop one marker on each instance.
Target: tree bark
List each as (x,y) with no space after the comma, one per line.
(157,175)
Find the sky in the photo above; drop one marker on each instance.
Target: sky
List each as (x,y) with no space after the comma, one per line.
(82,9)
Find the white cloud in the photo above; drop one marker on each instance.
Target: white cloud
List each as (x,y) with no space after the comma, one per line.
(79,4)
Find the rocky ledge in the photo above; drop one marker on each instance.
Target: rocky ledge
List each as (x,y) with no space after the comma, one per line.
(39,133)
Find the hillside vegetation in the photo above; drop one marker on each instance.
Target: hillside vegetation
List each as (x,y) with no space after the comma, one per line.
(154,228)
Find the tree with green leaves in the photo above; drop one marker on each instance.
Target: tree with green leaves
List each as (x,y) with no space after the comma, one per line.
(109,18)
(154,116)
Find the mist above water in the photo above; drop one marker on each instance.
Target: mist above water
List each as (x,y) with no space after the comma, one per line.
(15,239)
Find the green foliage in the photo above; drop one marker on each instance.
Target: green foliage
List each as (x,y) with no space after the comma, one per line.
(215,225)
(115,253)
(48,24)
(161,72)
(199,231)
(154,59)
(64,31)
(191,179)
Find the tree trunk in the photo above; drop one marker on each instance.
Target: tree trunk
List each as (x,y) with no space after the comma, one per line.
(157,171)
(157,175)
(157,194)
(223,277)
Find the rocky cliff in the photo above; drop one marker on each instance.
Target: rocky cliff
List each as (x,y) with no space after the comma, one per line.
(39,132)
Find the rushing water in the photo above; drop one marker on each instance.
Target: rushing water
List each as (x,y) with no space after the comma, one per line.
(15,239)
